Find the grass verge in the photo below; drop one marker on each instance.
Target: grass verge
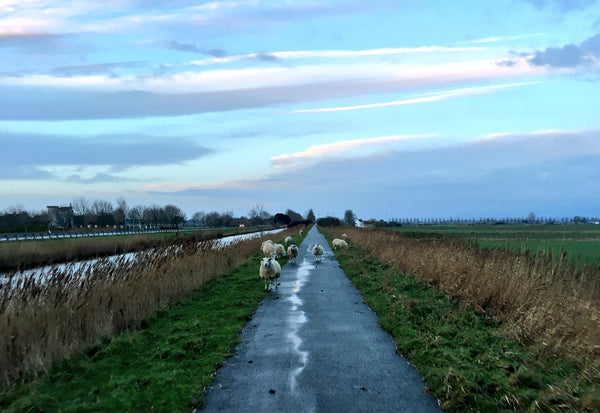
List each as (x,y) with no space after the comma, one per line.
(466,360)
(164,365)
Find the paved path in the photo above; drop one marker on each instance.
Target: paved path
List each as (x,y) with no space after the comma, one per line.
(313,346)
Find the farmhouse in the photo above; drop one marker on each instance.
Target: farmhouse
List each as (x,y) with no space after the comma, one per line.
(60,217)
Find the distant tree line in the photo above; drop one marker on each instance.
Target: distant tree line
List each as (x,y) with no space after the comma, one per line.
(84,213)
(351,219)
(530,219)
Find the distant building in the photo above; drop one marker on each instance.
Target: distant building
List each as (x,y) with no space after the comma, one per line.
(60,217)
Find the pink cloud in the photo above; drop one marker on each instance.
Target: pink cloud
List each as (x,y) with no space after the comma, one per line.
(317,151)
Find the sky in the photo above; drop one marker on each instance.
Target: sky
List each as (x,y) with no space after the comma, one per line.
(390,108)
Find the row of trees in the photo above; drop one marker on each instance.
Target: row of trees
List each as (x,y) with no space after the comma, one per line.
(530,219)
(84,213)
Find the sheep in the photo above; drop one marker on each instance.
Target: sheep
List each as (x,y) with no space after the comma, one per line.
(279,250)
(344,236)
(317,250)
(269,249)
(292,252)
(339,243)
(270,271)
(265,242)
(300,232)
(288,240)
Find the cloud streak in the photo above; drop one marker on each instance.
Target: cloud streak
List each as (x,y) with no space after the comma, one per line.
(319,151)
(336,54)
(422,99)
(27,151)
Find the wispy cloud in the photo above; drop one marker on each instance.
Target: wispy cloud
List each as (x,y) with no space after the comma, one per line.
(335,54)
(422,99)
(496,39)
(319,151)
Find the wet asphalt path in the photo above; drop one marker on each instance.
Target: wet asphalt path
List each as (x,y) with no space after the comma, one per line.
(313,346)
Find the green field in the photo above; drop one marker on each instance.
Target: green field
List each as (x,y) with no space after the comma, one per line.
(581,242)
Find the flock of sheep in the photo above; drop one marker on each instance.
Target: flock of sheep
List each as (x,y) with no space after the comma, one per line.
(270,269)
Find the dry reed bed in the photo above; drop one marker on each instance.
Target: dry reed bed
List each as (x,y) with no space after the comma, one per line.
(544,302)
(44,319)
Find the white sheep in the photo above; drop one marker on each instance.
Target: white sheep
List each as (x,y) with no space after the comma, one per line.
(270,271)
(288,240)
(345,236)
(265,242)
(339,243)
(317,250)
(279,250)
(269,249)
(292,252)
(300,232)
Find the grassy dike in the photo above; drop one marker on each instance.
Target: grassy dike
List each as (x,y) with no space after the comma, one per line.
(466,361)
(163,365)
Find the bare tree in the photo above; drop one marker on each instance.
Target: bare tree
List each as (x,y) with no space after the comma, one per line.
(81,211)
(81,206)
(258,215)
(121,212)
(213,219)
(103,211)
(173,215)
(136,215)
(199,217)
(154,215)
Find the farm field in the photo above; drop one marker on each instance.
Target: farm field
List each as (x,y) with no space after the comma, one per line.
(580,242)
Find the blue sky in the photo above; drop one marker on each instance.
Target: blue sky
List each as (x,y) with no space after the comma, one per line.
(389,108)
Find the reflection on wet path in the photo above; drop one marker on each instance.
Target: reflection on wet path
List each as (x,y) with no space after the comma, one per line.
(295,320)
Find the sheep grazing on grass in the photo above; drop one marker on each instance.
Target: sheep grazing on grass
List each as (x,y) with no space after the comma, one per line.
(279,250)
(300,232)
(317,250)
(269,249)
(288,240)
(344,236)
(292,252)
(339,243)
(270,271)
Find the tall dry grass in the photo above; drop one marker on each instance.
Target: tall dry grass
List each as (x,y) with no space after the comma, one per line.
(544,302)
(46,318)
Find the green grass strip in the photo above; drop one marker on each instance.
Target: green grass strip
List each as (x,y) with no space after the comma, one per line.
(466,362)
(163,366)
